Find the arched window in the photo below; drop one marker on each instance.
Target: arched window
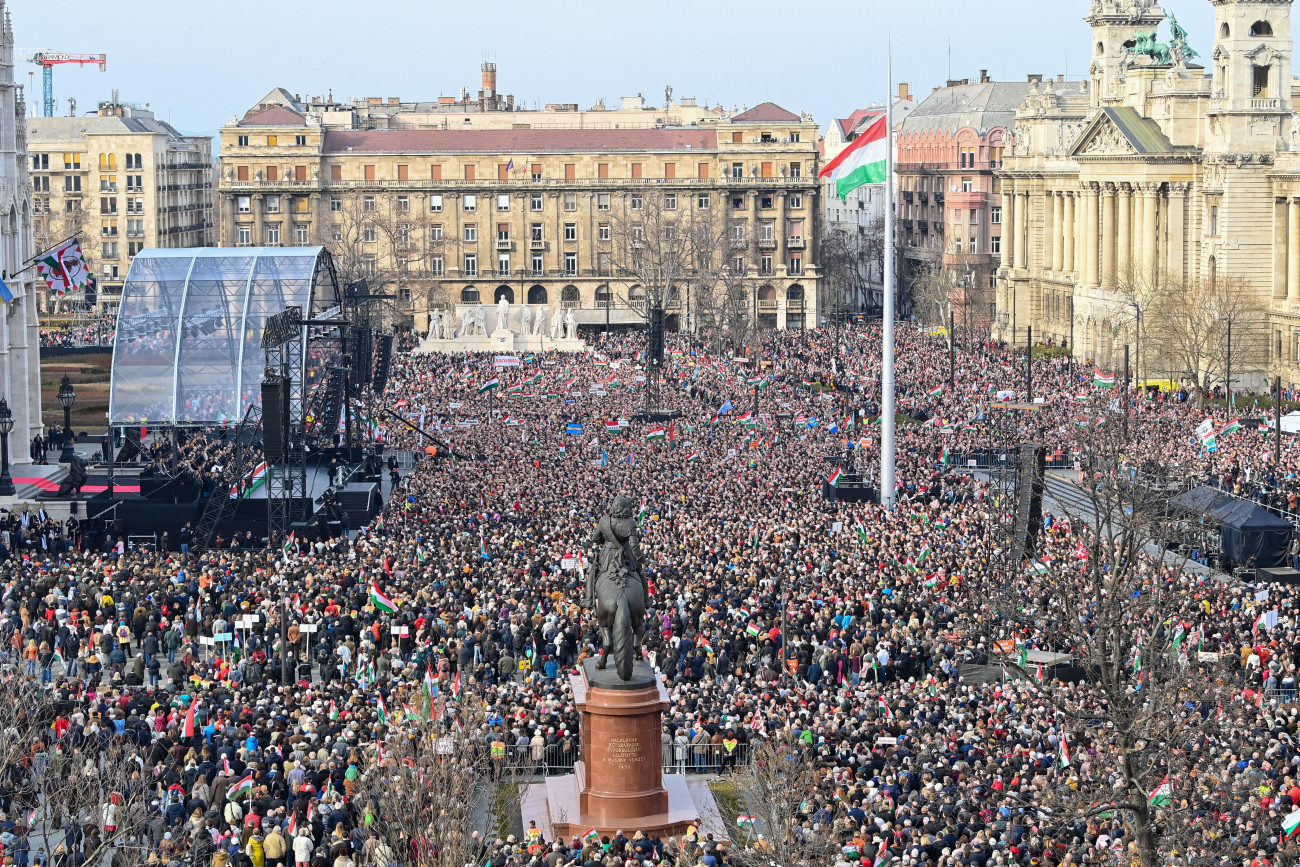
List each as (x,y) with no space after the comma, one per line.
(1100,50)
(766,293)
(794,293)
(1261,28)
(1224,30)
(537,294)
(636,295)
(503,292)
(469,295)
(603,295)
(570,297)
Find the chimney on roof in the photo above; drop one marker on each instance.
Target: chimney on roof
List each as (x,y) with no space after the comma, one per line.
(1060,79)
(394,100)
(1036,78)
(984,76)
(904,91)
(489,79)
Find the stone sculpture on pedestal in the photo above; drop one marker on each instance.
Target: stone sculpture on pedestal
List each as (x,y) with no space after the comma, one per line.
(525,317)
(570,325)
(557,324)
(503,314)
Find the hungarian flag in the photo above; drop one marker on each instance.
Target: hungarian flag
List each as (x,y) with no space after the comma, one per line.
(1291,825)
(383,710)
(1105,380)
(935,392)
(753,630)
(1162,795)
(382,603)
(834,480)
(884,709)
(591,834)
(656,433)
(693,456)
(1065,752)
(862,162)
(493,383)
(882,855)
(187,730)
(1267,620)
(613,427)
(1233,425)
(333,711)
(254,481)
(1081,398)
(455,686)
(63,268)
(242,788)
(745,820)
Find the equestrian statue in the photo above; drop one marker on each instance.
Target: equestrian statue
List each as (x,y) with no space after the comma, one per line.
(616,589)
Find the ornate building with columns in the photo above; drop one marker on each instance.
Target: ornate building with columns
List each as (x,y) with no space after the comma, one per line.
(1157,169)
(20,344)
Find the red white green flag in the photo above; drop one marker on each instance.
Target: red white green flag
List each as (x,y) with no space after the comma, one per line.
(862,162)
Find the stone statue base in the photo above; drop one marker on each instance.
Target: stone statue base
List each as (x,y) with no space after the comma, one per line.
(618,783)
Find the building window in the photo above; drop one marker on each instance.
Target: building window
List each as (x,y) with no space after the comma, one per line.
(796,170)
(765,202)
(534,231)
(738,232)
(244,235)
(1259,88)
(369,234)
(435,232)
(738,265)
(796,265)
(503,264)
(273,204)
(603,296)
(703,201)
(435,266)
(570,231)
(956,245)
(535,171)
(435,203)
(368,203)
(737,170)
(503,201)
(300,235)
(471,202)
(534,202)
(336,204)
(966,186)
(469,295)
(273,234)
(603,264)
(766,230)
(369,266)
(1214,220)
(670,201)
(765,264)
(570,202)
(635,202)
(794,202)
(110,250)
(995,245)
(301,205)
(300,141)
(537,265)
(471,232)
(602,201)
(336,234)
(995,215)
(72,183)
(602,232)
(471,265)
(241,141)
(570,264)
(403,203)
(72,161)
(638,233)
(244,204)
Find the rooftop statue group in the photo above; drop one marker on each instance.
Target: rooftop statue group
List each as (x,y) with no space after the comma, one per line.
(532,322)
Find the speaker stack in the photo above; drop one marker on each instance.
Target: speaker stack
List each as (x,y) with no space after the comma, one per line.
(1032,466)
(275,419)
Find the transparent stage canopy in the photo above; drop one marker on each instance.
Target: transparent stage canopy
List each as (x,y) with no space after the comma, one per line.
(189,328)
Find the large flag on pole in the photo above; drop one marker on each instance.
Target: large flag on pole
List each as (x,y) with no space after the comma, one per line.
(862,162)
(63,268)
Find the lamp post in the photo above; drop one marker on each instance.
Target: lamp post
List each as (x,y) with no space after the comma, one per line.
(1137,348)
(1227,373)
(67,397)
(6,427)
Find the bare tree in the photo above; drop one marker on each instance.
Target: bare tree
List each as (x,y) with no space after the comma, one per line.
(1106,593)
(49,228)
(846,273)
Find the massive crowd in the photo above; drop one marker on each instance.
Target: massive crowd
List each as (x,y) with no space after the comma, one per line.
(477,548)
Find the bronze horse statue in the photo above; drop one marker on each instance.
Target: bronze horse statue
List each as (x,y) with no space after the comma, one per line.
(617,589)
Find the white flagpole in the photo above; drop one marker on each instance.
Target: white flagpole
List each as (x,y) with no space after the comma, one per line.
(887,331)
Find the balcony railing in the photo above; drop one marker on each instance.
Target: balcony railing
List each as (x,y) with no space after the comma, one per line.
(795,243)
(611,184)
(505,244)
(767,243)
(1263,104)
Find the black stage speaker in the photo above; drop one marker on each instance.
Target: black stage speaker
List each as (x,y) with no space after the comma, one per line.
(1029,498)
(383,361)
(655,353)
(362,360)
(275,419)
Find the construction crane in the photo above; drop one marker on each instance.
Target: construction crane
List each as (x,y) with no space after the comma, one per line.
(47,60)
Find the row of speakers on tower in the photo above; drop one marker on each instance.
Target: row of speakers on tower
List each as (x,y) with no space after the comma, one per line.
(275,419)
(1032,469)
(655,351)
(383,362)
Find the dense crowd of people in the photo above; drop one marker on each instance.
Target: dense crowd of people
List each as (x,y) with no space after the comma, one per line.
(777,615)
(96,333)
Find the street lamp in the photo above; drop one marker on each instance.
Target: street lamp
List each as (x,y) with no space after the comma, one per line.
(6,426)
(1137,362)
(1227,373)
(67,397)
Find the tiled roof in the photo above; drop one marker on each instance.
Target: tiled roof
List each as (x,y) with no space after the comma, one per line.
(850,123)
(981,106)
(766,112)
(275,116)
(519,141)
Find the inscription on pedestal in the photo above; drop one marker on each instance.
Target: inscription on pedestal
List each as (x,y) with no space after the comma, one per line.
(624,753)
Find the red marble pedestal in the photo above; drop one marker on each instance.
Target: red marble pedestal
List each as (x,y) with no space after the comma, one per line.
(618,784)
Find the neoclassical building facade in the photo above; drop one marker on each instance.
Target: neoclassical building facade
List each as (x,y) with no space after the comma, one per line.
(1156,169)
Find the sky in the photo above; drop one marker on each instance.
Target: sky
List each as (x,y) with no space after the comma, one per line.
(199,66)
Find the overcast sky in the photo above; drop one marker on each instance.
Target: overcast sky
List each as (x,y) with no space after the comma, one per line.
(200,64)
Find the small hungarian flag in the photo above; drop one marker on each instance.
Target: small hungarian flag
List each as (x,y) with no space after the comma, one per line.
(187,730)
(745,820)
(383,710)
(1162,795)
(753,630)
(1233,425)
(1291,825)
(455,686)
(382,603)
(290,545)
(882,855)
(884,708)
(242,788)
(1268,620)
(925,553)
(834,480)
(656,433)
(333,711)
(935,392)
(933,580)
(494,382)
(613,427)
(1081,398)
(591,834)
(693,456)
(1065,752)
(1105,380)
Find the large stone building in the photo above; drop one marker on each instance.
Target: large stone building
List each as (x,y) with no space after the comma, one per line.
(20,353)
(532,212)
(122,180)
(1157,175)
(949,149)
